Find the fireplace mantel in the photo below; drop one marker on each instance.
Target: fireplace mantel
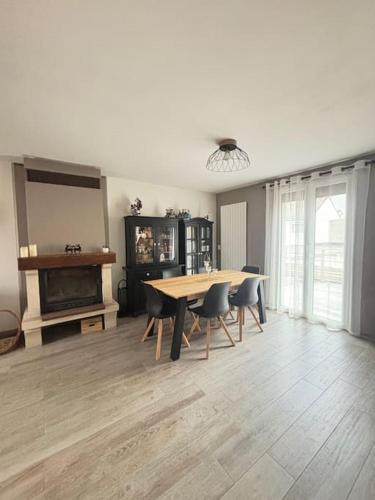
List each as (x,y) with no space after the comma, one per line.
(65,260)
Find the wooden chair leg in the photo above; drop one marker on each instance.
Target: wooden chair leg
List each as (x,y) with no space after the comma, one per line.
(160,335)
(229,313)
(185,340)
(226,330)
(240,322)
(148,329)
(193,327)
(256,319)
(197,325)
(208,335)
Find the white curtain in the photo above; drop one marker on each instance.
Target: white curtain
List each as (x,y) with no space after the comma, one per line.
(314,245)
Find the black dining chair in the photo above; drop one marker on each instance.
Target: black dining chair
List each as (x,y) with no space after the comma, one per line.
(246,296)
(251,269)
(245,269)
(215,305)
(175,272)
(159,307)
(171,272)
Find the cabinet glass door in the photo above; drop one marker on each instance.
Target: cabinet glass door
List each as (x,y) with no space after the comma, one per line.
(166,244)
(205,240)
(192,249)
(144,245)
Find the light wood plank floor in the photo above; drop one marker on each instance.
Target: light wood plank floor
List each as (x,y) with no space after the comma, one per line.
(289,413)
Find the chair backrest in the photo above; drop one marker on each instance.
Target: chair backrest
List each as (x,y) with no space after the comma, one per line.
(247,294)
(154,300)
(215,302)
(251,269)
(171,273)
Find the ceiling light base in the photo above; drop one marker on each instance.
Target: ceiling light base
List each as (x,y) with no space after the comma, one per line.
(228,144)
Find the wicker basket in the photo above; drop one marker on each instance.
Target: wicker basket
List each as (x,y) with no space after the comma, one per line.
(9,343)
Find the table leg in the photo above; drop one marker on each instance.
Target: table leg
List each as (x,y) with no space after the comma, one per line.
(178,328)
(261,303)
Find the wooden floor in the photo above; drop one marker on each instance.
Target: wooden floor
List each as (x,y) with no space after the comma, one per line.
(289,413)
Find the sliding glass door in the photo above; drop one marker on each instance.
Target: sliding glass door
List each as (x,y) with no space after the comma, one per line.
(328,250)
(312,250)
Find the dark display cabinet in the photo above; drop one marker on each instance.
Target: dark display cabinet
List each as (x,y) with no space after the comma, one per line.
(151,246)
(195,243)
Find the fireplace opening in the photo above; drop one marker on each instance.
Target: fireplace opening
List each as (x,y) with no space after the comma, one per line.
(69,288)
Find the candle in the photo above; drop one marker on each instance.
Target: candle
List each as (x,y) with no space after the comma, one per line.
(24,251)
(33,250)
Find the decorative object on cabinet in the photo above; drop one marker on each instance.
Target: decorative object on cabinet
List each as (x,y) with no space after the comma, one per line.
(184,214)
(195,242)
(170,213)
(151,246)
(135,208)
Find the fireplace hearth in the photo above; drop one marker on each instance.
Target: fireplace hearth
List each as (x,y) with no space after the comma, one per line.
(69,288)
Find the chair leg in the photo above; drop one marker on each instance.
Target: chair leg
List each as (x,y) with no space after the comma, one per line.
(197,325)
(208,335)
(256,319)
(193,327)
(148,329)
(226,330)
(185,340)
(229,313)
(160,335)
(240,322)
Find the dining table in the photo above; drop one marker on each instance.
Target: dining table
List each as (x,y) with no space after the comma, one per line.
(184,288)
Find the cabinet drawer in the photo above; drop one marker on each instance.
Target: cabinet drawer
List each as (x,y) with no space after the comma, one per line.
(148,275)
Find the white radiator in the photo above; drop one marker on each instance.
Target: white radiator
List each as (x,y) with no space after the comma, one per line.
(233,230)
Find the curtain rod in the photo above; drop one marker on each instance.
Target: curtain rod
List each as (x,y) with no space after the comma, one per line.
(324,172)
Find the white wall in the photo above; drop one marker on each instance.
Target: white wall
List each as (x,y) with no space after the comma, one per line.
(9,279)
(155,199)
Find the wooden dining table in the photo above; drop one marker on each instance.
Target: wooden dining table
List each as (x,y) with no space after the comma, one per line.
(184,288)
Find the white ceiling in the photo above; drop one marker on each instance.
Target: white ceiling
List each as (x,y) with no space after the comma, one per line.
(143,89)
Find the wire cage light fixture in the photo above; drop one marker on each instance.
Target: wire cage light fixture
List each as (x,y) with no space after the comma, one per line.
(228,158)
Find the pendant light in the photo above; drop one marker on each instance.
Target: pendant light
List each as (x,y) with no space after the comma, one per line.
(228,158)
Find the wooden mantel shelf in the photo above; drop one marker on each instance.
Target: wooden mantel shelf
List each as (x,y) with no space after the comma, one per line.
(65,260)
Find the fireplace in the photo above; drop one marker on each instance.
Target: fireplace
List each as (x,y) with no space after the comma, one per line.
(70,287)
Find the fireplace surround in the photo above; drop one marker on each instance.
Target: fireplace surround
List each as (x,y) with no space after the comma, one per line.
(64,289)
